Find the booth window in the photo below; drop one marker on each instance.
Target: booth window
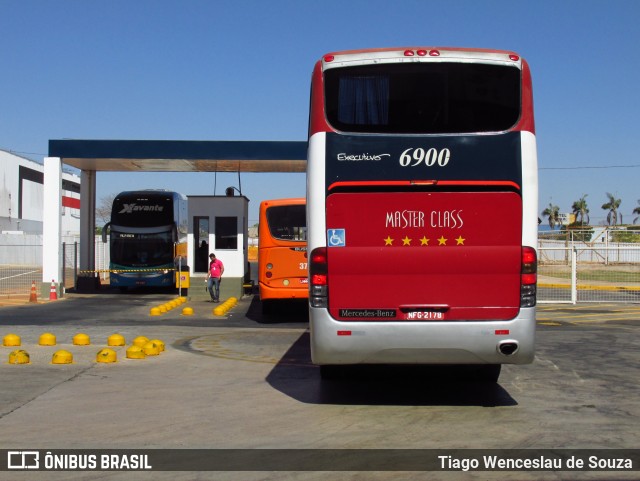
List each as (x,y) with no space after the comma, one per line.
(227,233)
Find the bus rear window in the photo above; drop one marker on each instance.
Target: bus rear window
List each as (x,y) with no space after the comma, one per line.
(288,222)
(424,98)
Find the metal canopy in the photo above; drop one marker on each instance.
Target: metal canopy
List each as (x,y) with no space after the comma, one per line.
(181,155)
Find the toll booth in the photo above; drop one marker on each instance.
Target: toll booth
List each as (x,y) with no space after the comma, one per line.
(218,224)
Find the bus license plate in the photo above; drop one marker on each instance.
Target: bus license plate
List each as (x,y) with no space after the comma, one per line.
(424,316)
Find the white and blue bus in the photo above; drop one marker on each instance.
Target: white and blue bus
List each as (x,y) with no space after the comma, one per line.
(148,238)
(422,209)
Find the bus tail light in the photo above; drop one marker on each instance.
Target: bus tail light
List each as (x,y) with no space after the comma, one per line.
(318,295)
(528,277)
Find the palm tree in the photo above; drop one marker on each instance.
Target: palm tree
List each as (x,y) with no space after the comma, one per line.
(636,211)
(580,209)
(612,206)
(553,212)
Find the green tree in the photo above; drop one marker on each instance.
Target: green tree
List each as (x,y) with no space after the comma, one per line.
(612,206)
(636,211)
(579,232)
(630,234)
(553,213)
(579,208)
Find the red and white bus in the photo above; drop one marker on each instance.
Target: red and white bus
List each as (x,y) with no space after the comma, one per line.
(282,251)
(422,209)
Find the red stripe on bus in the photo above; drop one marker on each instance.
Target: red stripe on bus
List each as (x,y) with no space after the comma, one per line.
(404,183)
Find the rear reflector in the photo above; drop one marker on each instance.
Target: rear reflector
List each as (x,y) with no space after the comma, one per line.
(528,277)
(318,278)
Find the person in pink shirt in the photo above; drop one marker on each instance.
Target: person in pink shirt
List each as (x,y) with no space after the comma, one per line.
(216,269)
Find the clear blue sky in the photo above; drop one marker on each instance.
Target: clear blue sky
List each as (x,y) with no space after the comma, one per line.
(240,70)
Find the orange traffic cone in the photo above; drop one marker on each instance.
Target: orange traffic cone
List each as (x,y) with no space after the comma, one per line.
(53,294)
(33,297)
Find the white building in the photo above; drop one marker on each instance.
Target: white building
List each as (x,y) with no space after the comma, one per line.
(22,197)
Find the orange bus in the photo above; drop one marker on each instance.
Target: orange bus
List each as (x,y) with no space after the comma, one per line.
(282,251)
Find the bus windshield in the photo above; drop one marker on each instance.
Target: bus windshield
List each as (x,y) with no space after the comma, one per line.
(287,222)
(423,98)
(141,250)
(142,210)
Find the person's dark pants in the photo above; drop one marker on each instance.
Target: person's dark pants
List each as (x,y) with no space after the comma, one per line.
(214,283)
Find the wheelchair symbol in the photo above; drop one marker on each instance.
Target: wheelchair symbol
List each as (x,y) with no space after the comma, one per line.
(336,237)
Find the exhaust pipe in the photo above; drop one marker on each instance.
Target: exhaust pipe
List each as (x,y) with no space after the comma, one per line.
(508,348)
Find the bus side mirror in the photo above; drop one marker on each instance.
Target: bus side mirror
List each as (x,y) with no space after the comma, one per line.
(104,231)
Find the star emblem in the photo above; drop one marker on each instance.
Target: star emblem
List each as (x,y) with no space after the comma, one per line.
(388,241)
(442,241)
(460,241)
(424,241)
(406,241)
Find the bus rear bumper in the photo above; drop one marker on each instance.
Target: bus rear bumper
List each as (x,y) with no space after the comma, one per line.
(268,293)
(460,342)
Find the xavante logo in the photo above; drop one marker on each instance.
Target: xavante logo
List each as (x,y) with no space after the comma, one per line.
(130,208)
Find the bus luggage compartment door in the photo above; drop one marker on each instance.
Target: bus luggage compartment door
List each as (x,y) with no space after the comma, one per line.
(440,256)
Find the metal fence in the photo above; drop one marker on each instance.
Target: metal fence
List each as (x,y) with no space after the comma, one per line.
(20,266)
(596,264)
(588,273)
(69,264)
